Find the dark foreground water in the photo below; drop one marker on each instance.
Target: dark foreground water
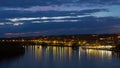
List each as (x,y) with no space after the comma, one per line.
(62,57)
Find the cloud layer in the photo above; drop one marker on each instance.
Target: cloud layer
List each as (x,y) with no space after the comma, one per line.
(64,7)
(27,3)
(56,17)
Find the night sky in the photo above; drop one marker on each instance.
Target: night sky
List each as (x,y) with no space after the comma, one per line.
(58,17)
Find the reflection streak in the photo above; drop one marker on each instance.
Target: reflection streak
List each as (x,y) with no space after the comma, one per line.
(99,53)
(66,53)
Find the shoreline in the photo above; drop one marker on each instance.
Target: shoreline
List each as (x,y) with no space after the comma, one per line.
(115,50)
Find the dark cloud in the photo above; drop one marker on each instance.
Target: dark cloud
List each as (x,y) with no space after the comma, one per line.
(26,3)
(87,25)
(100,1)
(56,17)
(17,14)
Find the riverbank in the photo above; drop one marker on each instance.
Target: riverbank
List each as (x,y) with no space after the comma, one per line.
(108,49)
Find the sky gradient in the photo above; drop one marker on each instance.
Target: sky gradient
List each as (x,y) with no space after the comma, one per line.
(58,17)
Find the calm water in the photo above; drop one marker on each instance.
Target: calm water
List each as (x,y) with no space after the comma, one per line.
(62,57)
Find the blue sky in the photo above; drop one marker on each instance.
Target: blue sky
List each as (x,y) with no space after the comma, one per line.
(58,17)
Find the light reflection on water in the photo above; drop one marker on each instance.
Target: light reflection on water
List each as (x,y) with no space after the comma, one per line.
(64,57)
(100,54)
(67,53)
(56,53)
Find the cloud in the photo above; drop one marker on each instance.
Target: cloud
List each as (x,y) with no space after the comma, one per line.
(45,18)
(84,25)
(63,7)
(103,2)
(33,9)
(47,21)
(13,34)
(1,24)
(59,16)
(27,3)
(17,23)
(22,19)
(11,23)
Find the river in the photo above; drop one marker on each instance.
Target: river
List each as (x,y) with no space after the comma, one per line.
(62,57)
